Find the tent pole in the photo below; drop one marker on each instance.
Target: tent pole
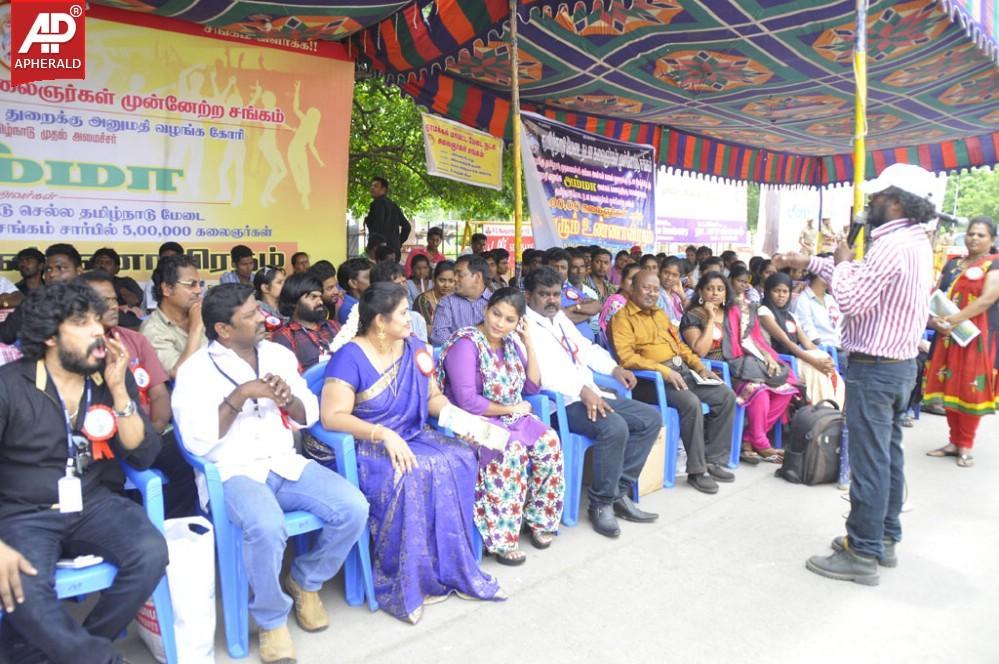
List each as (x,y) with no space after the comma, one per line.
(860,118)
(518,212)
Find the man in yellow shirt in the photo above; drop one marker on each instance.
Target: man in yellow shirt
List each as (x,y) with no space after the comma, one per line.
(643,337)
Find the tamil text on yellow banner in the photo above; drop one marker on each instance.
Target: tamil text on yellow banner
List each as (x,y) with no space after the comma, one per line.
(178,136)
(459,153)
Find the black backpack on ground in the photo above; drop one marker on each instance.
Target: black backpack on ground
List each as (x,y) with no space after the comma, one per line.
(812,443)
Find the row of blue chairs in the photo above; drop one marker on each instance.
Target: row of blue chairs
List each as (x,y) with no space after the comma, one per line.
(358,579)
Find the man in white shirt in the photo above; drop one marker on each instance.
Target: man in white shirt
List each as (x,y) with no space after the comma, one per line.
(623,430)
(235,402)
(818,313)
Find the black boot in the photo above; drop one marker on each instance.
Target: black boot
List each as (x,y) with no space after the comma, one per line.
(625,508)
(603,520)
(888,557)
(846,565)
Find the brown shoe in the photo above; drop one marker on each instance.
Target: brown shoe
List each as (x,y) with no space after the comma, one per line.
(309,609)
(276,646)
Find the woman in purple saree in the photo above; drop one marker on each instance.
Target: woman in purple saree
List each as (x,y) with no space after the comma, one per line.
(420,484)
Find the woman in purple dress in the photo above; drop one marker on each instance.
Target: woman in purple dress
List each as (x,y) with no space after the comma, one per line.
(484,372)
(420,484)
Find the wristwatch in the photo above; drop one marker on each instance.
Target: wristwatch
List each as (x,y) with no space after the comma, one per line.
(129,409)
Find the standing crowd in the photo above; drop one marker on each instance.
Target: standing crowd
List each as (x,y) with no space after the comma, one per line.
(218,373)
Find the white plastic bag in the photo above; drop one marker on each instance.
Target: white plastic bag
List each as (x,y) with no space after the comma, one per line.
(191,577)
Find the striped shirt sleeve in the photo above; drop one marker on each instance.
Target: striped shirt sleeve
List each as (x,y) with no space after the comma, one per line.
(858,285)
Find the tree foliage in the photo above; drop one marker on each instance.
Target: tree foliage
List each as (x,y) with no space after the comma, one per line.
(976,193)
(386,139)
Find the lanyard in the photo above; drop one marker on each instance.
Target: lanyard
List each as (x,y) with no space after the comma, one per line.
(322,346)
(285,420)
(566,344)
(78,454)
(256,405)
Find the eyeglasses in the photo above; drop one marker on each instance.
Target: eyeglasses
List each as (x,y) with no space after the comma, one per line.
(191,283)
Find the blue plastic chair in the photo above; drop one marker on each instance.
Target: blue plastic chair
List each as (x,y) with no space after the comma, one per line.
(574,448)
(358,578)
(779,426)
(229,551)
(671,421)
(75,583)
(541,407)
(721,368)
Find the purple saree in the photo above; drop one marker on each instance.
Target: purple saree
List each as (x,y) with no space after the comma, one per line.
(420,522)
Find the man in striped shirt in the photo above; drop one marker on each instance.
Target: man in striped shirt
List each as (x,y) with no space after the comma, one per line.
(885,303)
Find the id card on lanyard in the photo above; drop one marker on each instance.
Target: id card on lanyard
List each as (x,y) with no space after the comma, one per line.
(70,485)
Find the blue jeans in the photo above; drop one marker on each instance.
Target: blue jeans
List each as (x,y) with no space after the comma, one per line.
(258,510)
(877,396)
(111,526)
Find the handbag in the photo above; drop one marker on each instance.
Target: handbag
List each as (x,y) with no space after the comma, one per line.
(751,369)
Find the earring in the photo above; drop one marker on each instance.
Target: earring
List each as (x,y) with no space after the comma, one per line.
(700,300)
(381,339)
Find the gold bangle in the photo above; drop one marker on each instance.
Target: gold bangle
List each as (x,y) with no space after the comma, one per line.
(374,430)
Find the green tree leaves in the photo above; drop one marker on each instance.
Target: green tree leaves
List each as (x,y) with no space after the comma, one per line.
(386,139)
(976,193)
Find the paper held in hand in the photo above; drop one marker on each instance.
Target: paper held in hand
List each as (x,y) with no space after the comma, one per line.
(962,333)
(463,423)
(701,380)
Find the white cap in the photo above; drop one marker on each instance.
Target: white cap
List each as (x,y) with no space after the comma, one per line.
(910,178)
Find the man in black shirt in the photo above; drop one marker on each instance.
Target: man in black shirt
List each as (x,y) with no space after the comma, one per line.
(29,263)
(62,263)
(309,335)
(67,414)
(384,216)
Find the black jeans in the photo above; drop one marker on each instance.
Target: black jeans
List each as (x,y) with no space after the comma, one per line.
(706,438)
(622,442)
(111,526)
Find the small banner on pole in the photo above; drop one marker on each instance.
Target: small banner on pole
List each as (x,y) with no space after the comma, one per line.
(462,154)
(587,189)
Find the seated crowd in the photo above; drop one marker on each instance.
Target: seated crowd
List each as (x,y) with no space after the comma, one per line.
(401,345)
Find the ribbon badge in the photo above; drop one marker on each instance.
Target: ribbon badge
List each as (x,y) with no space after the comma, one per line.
(99,426)
(424,362)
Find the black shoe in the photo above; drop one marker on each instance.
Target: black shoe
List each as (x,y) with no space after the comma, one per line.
(603,520)
(625,508)
(718,472)
(703,483)
(846,565)
(888,557)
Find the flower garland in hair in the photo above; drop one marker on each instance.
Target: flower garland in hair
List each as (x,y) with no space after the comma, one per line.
(348,331)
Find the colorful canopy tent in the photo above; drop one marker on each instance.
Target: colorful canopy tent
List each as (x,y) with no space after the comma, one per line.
(757,90)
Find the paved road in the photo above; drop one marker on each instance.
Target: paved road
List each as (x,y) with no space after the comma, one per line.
(721,579)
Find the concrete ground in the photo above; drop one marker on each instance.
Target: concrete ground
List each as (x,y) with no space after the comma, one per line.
(720,579)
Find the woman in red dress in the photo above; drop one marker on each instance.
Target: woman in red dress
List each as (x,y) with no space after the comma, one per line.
(965,380)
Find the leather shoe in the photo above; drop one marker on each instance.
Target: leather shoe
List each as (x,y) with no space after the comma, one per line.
(604,521)
(720,473)
(846,565)
(888,557)
(703,483)
(625,508)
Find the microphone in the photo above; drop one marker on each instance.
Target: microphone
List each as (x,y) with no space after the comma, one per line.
(949,219)
(858,224)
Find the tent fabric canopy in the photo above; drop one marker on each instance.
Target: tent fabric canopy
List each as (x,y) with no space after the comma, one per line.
(758,90)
